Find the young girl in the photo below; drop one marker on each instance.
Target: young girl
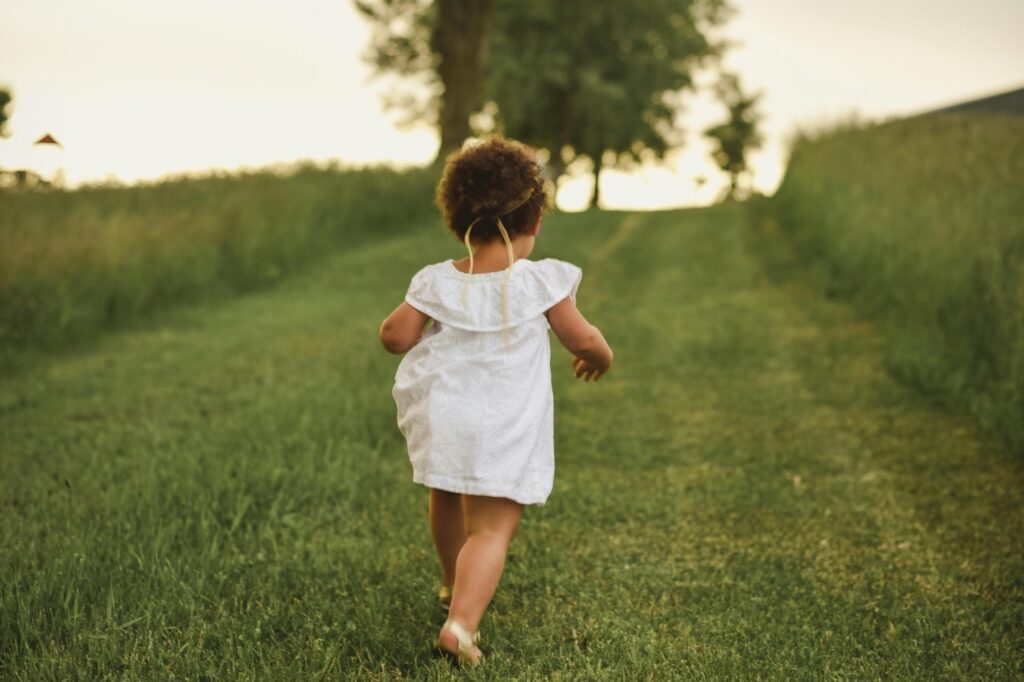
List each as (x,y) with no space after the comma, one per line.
(473,391)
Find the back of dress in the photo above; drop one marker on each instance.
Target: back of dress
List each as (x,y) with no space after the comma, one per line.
(474,394)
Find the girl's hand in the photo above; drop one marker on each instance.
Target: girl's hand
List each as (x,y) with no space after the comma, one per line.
(584,369)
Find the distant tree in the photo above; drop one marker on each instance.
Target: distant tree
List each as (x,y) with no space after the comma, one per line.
(442,48)
(601,80)
(5,100)
(739,134)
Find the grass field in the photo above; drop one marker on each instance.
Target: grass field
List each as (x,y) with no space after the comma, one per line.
(221,492)
(74,264)
(920,223)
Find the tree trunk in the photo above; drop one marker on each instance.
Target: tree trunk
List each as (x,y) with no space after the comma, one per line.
(463,42)
(595,198)
(554,172)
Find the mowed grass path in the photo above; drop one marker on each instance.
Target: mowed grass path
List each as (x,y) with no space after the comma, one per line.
(222,493)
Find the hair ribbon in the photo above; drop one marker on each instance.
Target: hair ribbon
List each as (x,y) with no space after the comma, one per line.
(516,203)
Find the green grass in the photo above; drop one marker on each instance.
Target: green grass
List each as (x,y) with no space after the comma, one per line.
(920,223)
(75,263)
(221,492)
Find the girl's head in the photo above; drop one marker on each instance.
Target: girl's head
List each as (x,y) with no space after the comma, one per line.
(496,178)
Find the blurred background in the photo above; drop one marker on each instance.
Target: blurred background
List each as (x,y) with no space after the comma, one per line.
(136,91)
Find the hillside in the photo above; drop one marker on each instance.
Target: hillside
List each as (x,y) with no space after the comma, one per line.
(919,223)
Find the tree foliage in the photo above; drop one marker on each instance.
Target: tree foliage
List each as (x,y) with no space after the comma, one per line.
(5,100)
(599,80)
(400,45)
(739,134)
(440,49)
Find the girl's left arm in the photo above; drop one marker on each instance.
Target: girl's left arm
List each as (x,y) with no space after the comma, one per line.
(402,328)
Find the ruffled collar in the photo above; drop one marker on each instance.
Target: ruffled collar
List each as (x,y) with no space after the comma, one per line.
(448,267)
(533,287)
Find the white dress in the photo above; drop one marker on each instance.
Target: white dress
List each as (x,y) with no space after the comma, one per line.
(479,418)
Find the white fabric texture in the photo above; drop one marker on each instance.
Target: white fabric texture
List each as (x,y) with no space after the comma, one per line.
(479,418)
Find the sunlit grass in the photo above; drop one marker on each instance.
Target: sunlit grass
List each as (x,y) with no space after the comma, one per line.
(75,263)
(222,492)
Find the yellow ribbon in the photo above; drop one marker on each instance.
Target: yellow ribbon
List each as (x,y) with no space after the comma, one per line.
(504,286)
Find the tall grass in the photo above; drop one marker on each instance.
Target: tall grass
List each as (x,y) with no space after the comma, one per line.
(75,262)
(921,221)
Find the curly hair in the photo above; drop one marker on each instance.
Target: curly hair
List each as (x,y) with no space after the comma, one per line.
(496,178)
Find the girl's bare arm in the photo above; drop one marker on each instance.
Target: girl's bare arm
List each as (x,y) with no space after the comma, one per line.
(579,337)
(402,328)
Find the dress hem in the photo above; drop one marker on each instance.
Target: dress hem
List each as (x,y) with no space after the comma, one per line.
(462,487)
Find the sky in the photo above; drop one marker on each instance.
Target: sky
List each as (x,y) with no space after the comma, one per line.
(139,89)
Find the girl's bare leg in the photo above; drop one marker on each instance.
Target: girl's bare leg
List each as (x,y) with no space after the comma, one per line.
(448,530)
(491,523)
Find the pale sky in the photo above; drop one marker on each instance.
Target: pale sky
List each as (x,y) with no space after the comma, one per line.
(136,89)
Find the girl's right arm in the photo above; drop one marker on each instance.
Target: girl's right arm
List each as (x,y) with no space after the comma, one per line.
(402,329)
(593,355)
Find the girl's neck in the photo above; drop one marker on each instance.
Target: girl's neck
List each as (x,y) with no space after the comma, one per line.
(493,256)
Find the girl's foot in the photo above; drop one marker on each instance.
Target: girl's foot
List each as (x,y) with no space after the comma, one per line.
(444,598)
(459,644)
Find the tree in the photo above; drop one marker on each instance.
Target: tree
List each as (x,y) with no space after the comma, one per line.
(441,46)
(739,134)
(583,80)
(5,100)
(602,81)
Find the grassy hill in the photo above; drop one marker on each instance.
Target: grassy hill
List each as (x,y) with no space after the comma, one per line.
(73,264)
(221,491)
(920,223)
